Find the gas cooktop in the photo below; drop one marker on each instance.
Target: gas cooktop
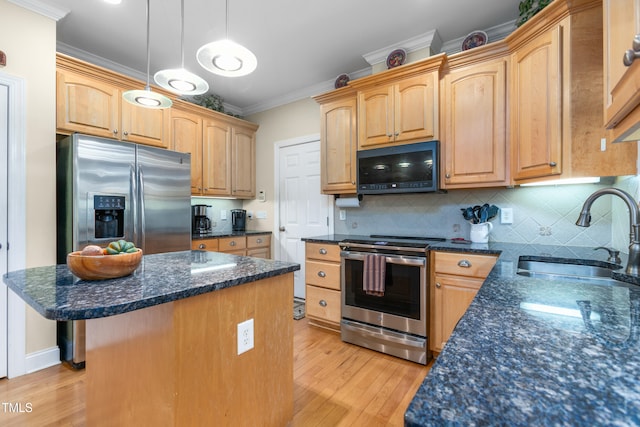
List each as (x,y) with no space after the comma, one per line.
(399,241)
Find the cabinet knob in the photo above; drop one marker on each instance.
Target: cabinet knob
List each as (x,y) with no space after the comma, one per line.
(125,133)
(322,274)
(232,243)
(553,164)
(322,303)
(322,251)
(202,246)
(258,240)
(438,285)
(447,175)
(632,54)
(115,131)
(389,135)
(464,263)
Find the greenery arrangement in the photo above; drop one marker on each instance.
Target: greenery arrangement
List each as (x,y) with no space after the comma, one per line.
(528,8)
(211,101)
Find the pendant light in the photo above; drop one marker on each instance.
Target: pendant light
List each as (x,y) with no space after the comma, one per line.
(227,58)
(179,80)
(146,98)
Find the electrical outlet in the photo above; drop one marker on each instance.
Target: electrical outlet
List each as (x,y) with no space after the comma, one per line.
(506,215)
(343,215)
(245,336)
(223,214)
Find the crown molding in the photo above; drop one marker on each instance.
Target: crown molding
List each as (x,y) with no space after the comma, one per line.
(54,12)
(430,39)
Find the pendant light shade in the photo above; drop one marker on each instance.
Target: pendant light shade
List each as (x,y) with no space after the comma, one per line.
(225,57)
(146,98)
(179,80)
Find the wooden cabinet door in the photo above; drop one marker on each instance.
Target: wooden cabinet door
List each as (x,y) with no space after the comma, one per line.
(146,125)
(186,134)
(416,108)
(621,98)
(87,105)
(375,117)
(338,146)
(243,155)
(452,297)
(536,112)
(216,158)
(474,141)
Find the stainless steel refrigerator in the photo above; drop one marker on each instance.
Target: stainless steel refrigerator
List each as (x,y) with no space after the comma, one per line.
(109,190)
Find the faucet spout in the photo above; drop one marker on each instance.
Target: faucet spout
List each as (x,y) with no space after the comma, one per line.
(584,220)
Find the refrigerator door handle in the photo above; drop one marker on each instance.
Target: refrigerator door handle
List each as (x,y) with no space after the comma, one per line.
(141,199)
(133,184)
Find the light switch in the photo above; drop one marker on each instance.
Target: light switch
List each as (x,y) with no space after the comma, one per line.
(506,215)
(223,214)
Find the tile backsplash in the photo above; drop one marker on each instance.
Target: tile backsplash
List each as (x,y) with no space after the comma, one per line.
(541,215)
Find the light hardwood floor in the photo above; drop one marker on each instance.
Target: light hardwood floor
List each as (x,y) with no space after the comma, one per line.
(335,384)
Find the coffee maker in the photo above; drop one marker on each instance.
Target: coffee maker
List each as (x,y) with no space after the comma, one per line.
(238,219)
(199,221)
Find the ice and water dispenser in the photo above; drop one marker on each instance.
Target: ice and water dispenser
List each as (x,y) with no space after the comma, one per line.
(109,216)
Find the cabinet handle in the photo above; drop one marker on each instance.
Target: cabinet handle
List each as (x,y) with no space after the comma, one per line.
(322,251)
(397,134)
(115,131)
(258,240)
(322,303)
(553,164)
(202,246)
(446,175)
(125,133)
(632,54)
(438,285)
(232,243)
(322,274)
(464,263)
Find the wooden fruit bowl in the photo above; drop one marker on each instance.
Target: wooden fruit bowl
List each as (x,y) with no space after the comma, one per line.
(100,267)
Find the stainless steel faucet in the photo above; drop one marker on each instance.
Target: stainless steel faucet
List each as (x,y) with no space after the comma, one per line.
(633,263)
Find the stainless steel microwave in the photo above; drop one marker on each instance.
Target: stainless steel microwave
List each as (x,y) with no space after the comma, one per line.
(410,168)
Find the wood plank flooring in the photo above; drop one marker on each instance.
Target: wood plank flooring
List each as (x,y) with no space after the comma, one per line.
(335,384)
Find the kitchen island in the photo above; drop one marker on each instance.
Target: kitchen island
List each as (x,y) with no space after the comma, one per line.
(162,343)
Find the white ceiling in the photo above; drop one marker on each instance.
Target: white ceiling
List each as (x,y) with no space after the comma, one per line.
(301,45)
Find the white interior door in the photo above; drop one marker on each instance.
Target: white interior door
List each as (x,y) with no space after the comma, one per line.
(4,226)
(303,211)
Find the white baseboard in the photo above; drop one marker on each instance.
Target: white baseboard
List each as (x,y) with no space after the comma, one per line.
(42,359)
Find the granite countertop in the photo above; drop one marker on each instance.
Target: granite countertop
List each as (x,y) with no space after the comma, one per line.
(58,295)
(218,234)
(524,354)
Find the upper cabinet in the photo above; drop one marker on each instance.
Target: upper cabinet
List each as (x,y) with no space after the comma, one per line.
(400,105)
(555,107)
(89,100)
(222,151)
(621,77)
(338,141)
(474,150)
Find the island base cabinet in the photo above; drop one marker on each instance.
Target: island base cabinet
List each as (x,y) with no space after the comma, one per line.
(177,363)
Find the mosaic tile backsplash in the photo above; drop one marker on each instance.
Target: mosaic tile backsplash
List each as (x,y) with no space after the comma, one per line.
(541,215)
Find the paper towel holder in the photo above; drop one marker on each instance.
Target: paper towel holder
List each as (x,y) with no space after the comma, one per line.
(348,201)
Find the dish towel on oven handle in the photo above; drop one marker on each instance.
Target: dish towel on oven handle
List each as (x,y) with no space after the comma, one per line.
(374,272)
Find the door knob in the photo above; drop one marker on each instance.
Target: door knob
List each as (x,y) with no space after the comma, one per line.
(281,228)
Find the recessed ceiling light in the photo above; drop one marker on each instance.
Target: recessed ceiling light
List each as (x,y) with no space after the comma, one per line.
(113,1)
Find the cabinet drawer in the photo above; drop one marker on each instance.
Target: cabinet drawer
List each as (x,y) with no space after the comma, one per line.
(464,264)
(261,241)
(226,244)
(205,244)
(323,251)
(325,274)
(323,303)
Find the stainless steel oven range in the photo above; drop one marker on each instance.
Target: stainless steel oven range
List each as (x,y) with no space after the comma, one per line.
(395,320)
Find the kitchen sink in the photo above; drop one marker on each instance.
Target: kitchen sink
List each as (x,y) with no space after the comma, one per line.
(564,269)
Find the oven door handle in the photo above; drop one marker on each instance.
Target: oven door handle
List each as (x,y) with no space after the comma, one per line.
(390,259)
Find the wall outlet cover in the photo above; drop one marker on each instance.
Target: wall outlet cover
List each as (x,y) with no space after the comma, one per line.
(245,336)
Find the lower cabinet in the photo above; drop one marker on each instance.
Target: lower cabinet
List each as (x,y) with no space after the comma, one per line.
(257,246)
(322,279)
(455,280)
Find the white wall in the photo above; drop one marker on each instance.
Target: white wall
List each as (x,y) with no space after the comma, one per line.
(29,42)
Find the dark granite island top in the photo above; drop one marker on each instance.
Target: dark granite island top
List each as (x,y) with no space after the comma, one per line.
(58,295)
(524,354)
(167,338)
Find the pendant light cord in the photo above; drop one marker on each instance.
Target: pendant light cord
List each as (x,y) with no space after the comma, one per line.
(148,48)
(226,19)
(182,34)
